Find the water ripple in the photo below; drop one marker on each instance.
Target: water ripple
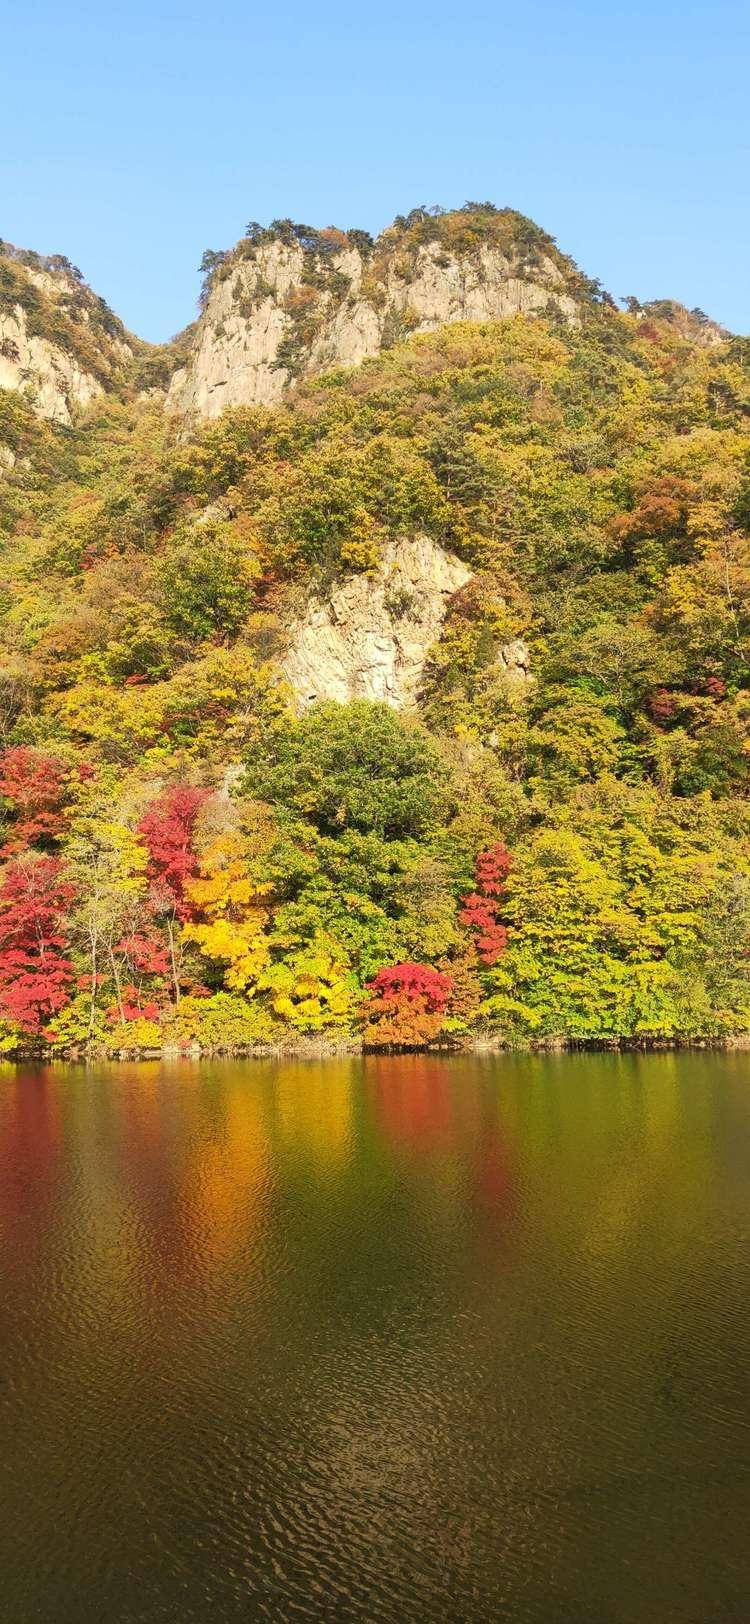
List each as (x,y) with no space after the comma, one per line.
(415,1340)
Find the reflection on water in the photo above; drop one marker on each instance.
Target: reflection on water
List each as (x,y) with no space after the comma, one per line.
(407,1338)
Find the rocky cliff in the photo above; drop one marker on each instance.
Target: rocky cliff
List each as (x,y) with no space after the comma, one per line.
(291,301)
(52,380)
(371,638)
(60,345)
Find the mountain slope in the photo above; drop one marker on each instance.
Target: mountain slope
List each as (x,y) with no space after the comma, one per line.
(59,343)
(530,537)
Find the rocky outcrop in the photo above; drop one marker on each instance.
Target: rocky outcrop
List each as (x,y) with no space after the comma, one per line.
(235,355)
(51,379)
(371,638)
(693,326)
(514,661)
(278,311)
(60,345)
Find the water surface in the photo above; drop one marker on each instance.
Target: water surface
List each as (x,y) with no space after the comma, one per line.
(408,1339)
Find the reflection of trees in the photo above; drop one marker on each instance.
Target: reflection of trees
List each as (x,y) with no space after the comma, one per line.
(438,1111)
(193,1162)
(30,1157)
(413,1102)
(175,1176)
(313,1111)
(226,1177)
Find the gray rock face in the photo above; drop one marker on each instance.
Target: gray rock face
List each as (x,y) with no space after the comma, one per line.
(276,315)
(51,379)
(60,347)
(371,638)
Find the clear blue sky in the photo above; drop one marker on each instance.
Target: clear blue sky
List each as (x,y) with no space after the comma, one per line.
(134,136)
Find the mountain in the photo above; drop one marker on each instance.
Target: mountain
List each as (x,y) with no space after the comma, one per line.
(58,341)
(290,300)
(411,704)
(61,347)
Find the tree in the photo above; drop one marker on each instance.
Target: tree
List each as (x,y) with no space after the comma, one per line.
(722,961)
(211,260)
(406,1006)
(480,912)
(31,782)
(467,994)
(232,919)
(621,912)
(360,796)
(36,973)
(357,766)
(206,582)
(311,988)
(107,863)
(168,828)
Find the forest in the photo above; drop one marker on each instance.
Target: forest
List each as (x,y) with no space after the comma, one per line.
(189,862)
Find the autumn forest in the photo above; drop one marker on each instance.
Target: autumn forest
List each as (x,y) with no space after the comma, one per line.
(192,861)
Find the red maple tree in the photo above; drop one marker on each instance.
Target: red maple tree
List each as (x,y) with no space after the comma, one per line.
(168,828)
(133,1007)
(145,952)
(406,1006)
(31,782)
(662,706)
(481,909)
(36,974)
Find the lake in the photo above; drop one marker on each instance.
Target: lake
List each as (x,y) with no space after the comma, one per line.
(400,1339)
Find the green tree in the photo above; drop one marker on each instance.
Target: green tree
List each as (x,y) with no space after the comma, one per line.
(206,581)
(355,767)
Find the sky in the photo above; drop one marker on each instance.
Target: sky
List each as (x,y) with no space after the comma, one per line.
(132,137)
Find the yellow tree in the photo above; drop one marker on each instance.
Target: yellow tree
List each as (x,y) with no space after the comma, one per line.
(313,988)
(232,929)
(107,862)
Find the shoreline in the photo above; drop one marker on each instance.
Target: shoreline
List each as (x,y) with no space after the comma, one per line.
(321,1048)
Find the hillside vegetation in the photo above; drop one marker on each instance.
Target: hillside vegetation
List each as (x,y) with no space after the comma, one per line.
(187,860)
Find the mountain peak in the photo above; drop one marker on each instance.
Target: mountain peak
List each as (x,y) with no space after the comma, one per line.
(291,299)
(60,344)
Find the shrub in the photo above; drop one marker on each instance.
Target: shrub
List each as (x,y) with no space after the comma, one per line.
(224,1021)
(406,1006)
(134,1036)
